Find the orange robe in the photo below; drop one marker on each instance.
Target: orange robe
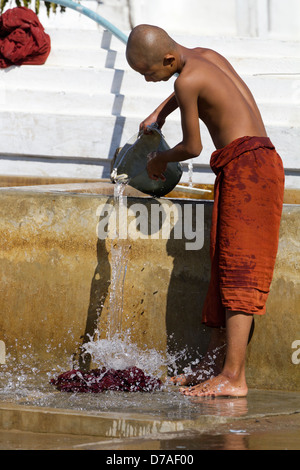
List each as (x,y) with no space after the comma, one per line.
(245,227)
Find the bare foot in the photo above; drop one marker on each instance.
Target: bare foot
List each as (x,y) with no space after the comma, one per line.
(220,386)
(210,366)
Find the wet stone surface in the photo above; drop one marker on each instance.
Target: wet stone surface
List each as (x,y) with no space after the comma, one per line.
(165,403)
(262,420)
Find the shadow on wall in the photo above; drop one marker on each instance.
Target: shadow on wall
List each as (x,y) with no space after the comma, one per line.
(186,294)
(187,287)
(98,293)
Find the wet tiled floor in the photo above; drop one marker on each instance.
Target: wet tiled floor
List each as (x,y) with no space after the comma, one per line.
(158,421)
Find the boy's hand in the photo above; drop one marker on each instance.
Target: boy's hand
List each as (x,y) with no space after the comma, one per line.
(144,126)
(156,166)
(153,118)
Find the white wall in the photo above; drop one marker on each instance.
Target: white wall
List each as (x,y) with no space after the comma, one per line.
(279,19)
(250,18)
(201,17)
(284,19)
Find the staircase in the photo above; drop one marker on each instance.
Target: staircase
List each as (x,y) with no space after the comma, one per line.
(66,118)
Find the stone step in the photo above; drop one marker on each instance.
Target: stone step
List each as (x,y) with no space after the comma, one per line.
(234,47)
(106,103)
(57,78)
(280,88)
(96,57)
(246,54)
(62,102)
(97,137)
(58,168)
(273,87)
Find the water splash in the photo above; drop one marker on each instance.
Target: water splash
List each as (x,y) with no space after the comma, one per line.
(119,352)
(190,174)
(203,368)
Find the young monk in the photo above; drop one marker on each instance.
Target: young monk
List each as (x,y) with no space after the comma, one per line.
(248,194)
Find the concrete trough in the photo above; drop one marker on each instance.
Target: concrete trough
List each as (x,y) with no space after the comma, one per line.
(56,275)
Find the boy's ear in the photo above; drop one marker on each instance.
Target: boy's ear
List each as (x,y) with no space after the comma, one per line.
(169,59)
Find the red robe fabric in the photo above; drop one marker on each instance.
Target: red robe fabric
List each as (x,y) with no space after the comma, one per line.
(132,379)
(22,38)
(245,227)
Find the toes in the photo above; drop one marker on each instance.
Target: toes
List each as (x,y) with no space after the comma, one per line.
(189,391)
(197,391)
(178,380)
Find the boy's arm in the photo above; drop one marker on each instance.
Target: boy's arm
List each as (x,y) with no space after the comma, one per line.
(160,114)
(191,146)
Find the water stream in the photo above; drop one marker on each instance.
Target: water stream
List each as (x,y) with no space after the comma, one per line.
(118,351)
(119,261)
(190,174)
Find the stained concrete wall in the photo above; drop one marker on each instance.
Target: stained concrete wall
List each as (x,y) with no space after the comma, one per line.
(55,286)
(273,360)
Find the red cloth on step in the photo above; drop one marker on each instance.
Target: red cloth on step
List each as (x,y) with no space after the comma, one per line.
(22,38)
(245,227)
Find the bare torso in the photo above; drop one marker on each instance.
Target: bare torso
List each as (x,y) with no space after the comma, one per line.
(225,103)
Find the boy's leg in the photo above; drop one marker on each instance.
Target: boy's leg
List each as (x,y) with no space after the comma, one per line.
(232,380)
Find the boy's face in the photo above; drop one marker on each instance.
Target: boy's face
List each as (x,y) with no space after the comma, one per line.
(155,73)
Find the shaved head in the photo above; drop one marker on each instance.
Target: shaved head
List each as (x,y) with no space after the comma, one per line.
(147,45)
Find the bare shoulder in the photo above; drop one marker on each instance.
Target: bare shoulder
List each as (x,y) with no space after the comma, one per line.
(211,55)
(192,74)
(215,60)
(186,88)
